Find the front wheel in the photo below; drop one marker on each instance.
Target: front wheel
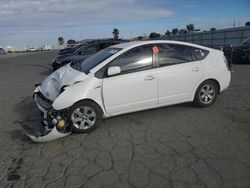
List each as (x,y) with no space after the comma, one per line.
(84,116)
(206,94)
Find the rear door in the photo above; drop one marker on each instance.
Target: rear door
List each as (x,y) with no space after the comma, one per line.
(179,72)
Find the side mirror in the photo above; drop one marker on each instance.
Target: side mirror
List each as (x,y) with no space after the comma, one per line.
(114,70)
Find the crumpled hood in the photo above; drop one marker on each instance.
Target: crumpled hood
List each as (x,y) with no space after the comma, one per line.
(64,76)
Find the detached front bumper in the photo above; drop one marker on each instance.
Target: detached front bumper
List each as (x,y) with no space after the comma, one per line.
(49,136)
(54,124)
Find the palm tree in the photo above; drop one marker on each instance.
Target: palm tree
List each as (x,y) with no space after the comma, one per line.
(115,33)
(60,40)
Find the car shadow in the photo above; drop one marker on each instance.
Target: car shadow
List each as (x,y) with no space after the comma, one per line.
(46,72)
(28,115)
(155,110)
(240,63)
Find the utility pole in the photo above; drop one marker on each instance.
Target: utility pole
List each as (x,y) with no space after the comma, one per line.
(234,23)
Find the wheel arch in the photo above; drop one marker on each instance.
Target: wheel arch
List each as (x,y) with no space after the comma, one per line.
(209,79)
(216,82)
(92,101)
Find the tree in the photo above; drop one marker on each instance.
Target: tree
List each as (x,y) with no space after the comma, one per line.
(183,31)
(115,33)
(213,29)
(168,33)
(139,38)
(154,35)
(71,41)
(175,31)
(247,23)
(60,40)
(190,27)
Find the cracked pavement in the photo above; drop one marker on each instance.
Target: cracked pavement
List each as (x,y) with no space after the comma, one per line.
(176,146)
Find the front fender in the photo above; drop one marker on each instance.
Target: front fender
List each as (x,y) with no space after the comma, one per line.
(70,95)
(87,89)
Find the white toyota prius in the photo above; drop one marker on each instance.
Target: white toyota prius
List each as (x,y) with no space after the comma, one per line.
(125,78)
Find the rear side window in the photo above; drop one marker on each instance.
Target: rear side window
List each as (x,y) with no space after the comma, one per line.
(171,54)
(136,59)
(198,54)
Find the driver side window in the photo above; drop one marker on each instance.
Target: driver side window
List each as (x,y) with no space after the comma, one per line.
(136,59)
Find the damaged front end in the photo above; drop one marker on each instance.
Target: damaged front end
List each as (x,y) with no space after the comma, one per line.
(54,124)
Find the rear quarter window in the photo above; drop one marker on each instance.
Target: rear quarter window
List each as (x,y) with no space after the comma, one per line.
(171,54)
(199,54)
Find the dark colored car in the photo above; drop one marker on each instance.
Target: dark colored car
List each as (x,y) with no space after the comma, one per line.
(81,52)
(2,51)
(239,53)
(70,49)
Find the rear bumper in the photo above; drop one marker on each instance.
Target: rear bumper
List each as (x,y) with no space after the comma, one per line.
(225,80)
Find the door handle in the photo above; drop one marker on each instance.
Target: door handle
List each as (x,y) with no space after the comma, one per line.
(196,69)
(149,77)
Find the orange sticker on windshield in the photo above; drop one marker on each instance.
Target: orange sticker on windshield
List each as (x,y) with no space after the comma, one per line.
(155,50)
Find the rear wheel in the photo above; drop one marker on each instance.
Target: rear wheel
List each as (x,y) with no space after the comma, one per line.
(84,116)
(206,94)
(248,58)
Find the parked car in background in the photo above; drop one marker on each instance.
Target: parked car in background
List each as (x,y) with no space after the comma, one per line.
(8,49)
(46,47)
(81,52)
(2,51)
(31,49)
(239,53)
(125,78)
(70,49)
(40,48)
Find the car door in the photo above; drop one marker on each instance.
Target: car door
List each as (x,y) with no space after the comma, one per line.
(135,87)
(179,72)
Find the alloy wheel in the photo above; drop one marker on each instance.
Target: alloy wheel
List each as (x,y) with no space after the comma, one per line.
(207,94)
(83,117)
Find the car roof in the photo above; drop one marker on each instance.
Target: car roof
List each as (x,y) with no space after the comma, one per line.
(103,41)
(124,47)
(133,44)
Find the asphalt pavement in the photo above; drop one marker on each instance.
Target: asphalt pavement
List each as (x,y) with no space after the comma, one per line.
(176,146)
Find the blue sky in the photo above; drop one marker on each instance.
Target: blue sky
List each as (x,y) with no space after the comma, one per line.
(38,22)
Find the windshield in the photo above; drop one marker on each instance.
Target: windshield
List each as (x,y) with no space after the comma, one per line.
(246,42)
(96,59)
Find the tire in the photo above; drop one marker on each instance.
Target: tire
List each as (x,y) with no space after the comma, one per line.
(84,116)
(248,58)
(206,94)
